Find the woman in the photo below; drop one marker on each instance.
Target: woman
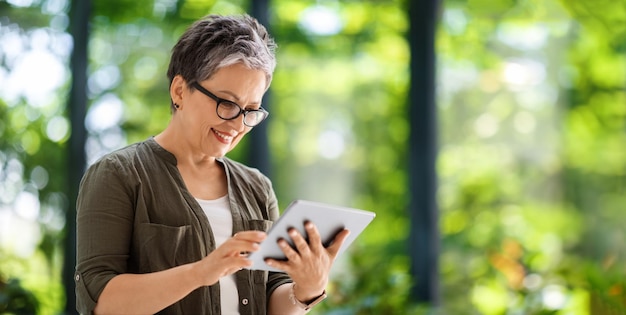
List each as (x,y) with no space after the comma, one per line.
(162,224)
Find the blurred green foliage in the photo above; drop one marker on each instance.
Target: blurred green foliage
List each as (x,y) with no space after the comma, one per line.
(531,166)
(15,299)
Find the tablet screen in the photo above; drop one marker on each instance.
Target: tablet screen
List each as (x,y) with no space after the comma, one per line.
(329,219)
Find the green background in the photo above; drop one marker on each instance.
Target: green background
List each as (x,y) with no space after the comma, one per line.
(531,128)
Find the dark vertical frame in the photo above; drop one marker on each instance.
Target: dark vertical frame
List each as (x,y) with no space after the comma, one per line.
(424,235)
(80,14)
(259,153)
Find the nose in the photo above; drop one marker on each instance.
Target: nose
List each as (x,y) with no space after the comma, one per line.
(238,123)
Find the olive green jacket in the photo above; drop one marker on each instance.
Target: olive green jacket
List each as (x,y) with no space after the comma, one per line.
(135,215)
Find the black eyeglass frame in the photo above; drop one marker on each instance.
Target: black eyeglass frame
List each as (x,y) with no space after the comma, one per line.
(218,100)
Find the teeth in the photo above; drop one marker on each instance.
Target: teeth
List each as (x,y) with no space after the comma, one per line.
(223,136)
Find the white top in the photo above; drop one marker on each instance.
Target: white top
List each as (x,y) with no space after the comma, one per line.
(221,221)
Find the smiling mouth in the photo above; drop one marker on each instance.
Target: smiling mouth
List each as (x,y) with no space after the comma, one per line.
(224,137)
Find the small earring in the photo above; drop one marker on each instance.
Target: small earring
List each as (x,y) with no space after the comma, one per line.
(176,105)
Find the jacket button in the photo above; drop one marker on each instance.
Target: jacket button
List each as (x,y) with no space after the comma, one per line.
(77,277)
(244,301)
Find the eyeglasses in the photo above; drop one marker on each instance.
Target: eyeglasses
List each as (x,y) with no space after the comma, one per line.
(228,110)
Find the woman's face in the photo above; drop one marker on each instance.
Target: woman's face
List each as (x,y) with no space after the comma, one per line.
(205,131)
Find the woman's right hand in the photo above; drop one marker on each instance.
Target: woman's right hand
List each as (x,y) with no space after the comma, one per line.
(229,257)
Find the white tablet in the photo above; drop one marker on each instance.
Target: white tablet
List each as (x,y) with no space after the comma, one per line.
(329,219)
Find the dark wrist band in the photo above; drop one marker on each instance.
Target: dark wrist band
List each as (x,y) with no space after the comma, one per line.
(304,306)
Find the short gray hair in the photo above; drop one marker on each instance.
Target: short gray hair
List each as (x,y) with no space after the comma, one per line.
(216,41)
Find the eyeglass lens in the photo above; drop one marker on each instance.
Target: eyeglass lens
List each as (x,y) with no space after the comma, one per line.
(229,110)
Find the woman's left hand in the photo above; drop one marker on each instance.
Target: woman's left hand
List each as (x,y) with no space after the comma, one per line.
(309,266)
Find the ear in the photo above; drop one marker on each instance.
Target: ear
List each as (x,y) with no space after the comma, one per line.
(177,89)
